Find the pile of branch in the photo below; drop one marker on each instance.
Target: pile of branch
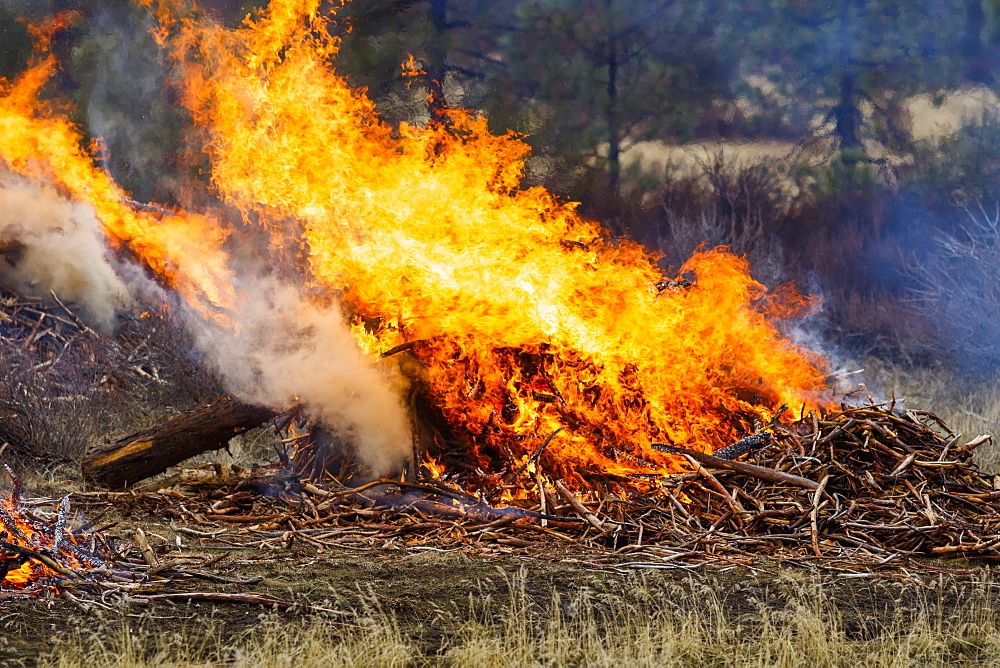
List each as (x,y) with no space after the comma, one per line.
(882,482)
(91,569)
(859,488)
(34,337)
(50,555)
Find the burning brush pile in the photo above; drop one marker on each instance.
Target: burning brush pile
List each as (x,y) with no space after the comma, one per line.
(479,341)
(865,484)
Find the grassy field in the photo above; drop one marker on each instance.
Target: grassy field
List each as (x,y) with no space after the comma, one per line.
(462,610)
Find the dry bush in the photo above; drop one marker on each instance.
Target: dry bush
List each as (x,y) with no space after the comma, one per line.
(959,286)
(727,203)
(65,387)
(879,323)
(838,229)
(828,233)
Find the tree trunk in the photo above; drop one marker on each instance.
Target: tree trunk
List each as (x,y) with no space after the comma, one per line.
(437,57)
(847,114)
(614,129)
(152,451)
(973,49)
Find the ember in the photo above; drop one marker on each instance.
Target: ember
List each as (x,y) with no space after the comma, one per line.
(39,554)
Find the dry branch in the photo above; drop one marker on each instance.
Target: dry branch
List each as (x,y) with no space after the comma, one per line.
(752,470)
(215,477)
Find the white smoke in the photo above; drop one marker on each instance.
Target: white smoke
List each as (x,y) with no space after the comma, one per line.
(284,348)
(280,347)
(49,244)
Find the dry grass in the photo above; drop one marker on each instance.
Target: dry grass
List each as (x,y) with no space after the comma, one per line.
(685,623)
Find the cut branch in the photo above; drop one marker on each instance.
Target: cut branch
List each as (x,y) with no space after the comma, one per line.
(752,470)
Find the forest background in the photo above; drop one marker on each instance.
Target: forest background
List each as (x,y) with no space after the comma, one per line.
(851,147)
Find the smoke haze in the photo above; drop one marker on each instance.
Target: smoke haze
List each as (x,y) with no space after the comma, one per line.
(282,348)
(50,244)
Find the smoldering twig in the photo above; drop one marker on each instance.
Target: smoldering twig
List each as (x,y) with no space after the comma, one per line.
(59,531)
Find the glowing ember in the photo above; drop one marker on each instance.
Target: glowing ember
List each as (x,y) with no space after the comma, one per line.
(524,317)
(36,554)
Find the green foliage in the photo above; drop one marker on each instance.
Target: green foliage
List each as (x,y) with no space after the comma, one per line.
(377,37)
(15,44)
(849,179)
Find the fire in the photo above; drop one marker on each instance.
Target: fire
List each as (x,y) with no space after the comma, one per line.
(41,143)
(523,317)
(29,571)
(31,553)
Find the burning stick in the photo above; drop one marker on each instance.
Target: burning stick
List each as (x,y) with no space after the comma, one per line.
(60,529)
(755,441)
(533,458)
(745,445)
(37,556)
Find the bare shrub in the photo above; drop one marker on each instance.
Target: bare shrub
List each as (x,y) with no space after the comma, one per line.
(876,322)
(959,286)
(65,387)
(741,206)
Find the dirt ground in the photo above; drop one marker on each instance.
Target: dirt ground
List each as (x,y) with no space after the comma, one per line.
(425,589)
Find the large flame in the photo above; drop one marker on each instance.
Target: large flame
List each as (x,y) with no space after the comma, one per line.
(523,316)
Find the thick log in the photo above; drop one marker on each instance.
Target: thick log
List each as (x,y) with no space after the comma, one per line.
(152,451)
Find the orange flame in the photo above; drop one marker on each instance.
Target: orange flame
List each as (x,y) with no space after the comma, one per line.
(524,316)
(530,317)
(26,535)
